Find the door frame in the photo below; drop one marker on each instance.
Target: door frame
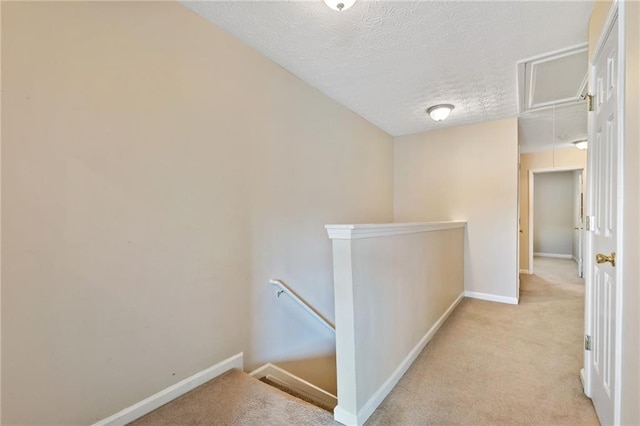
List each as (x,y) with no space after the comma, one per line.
(532,173)
(616,13)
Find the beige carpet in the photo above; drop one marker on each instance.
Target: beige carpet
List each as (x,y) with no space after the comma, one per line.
(556,271)
(489,364)
(236,398)
(501,364)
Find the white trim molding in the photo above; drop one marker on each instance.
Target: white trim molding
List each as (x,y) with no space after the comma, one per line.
(293,382)
(357,231)
(149,404)
(491,297)
(526,82)
(532,173)
(555,255)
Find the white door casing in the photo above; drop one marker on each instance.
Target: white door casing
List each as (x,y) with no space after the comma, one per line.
(580,225)
(531,182)
(602,286)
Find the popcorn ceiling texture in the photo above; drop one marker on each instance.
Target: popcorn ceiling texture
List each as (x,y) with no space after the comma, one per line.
(548,129)
(388,60)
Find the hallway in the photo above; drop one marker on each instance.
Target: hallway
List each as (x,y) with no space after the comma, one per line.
(493,363)
(557,271)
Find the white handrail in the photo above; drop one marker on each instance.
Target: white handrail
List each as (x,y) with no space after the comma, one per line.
(283,288)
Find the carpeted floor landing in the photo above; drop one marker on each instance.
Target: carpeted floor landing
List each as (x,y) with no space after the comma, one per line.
(490,364)
(493,363)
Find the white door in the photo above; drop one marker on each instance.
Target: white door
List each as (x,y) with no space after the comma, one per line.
(603,166)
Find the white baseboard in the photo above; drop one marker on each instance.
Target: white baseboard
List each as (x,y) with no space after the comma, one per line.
(376,399)
(491,297)
(583,380)
(291,381)
(558,256)
(345,417)
(147,405)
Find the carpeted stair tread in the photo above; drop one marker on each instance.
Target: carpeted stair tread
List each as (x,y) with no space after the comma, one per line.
(296,394)
(235,398)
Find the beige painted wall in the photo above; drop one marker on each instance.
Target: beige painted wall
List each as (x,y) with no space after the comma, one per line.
(560,159)
(629,258)
(631,237)
(427,273)
(466,173)
(0,215)
(596,22)
(155,174)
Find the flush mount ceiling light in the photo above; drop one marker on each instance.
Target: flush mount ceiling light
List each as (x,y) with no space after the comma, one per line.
(440,112)
(581,144)
(339,5)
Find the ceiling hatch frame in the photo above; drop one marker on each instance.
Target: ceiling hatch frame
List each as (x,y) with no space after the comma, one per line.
(527,73)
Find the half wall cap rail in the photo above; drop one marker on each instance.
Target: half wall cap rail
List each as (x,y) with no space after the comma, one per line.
(284,288)
(372,230)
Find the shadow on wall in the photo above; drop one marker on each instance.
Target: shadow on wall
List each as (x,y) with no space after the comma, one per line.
(319,370)
(288,336)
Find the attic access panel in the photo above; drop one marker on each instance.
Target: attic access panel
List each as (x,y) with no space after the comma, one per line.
(557,78)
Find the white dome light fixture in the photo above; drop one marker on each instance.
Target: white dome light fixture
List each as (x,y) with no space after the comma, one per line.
(440,112)
(339,5)
(581,144)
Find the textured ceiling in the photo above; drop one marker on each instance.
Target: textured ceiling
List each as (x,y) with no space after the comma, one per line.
(388,60)
(552,128)
(559,80)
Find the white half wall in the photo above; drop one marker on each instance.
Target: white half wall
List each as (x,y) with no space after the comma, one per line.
(466,173)
(393,290)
